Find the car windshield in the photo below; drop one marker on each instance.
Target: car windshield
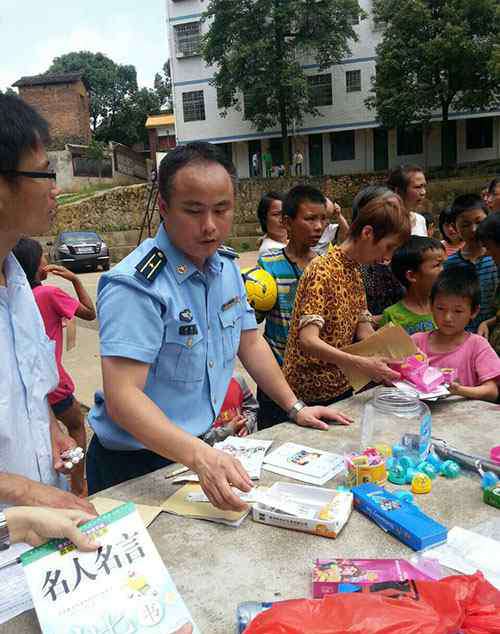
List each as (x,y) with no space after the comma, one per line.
(80,237)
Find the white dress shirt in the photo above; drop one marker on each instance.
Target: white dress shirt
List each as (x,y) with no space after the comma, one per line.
(28,372)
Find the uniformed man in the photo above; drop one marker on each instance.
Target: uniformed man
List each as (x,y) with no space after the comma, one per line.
(173,316)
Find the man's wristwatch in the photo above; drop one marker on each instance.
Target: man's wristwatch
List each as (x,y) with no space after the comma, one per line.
(295,409)
(4,533)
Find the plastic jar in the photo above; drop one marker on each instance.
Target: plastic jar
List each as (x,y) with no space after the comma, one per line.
(399,420)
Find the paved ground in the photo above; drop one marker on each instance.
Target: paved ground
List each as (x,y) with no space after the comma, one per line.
(83,362)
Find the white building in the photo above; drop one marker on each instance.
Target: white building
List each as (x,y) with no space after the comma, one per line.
(345,139)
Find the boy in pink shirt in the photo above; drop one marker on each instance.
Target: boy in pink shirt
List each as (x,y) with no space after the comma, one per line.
(57,307)
(455,299)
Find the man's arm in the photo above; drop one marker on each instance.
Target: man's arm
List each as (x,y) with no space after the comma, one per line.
(20,491)
(258,359)
(124,381)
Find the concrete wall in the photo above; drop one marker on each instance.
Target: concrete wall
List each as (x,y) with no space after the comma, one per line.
(61,162)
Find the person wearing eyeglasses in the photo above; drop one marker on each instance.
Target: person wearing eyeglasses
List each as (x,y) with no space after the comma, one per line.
(32,471)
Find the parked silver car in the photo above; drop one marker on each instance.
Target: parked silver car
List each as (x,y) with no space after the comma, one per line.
(79,250)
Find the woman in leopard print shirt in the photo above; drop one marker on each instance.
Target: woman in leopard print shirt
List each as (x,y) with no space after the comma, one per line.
(330,309)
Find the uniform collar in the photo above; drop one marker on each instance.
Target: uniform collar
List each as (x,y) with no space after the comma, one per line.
(181,265)
(14,273)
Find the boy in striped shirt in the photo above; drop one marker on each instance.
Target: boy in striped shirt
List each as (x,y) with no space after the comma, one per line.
(467,212)
(304,215)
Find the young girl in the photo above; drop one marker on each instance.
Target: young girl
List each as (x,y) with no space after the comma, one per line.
(451,242)
(455,299)
(56,307)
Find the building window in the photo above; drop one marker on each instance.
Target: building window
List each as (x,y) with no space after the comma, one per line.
(353,81)
(320,89)
(409,140)
(188,39)
(193,105)
(354,19)
(343,145)
(479,133)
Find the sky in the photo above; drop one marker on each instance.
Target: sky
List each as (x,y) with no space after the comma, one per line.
(33,32)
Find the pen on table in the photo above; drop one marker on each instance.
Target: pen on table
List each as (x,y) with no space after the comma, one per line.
(10,562)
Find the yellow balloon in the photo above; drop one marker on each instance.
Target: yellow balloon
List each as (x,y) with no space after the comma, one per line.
(261,288)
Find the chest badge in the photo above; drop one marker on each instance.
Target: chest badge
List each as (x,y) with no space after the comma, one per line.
(232,302)
(181,269)
(186,315)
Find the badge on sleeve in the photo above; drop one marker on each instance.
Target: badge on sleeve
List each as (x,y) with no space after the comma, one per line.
(186,315)
(151,264)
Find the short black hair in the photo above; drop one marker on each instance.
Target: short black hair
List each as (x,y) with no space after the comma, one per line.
(410,255)
(466,202)
(198,152)
(429,218)
(21,129)
(461,281)
(493,185)
(29,254)
(445,218)
(300,194)
(264,206)
(489,229)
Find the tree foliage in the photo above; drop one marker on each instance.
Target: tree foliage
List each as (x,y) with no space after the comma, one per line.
(259,49)
(435,57)
(110,84)
(118,108)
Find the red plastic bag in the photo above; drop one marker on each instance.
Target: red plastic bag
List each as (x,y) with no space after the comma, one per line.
(468,604)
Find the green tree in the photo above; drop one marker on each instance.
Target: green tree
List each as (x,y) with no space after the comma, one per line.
(110,84)
(259,48)
(10,91)
(163,87)
(97,152)
(128,124)
(435,57)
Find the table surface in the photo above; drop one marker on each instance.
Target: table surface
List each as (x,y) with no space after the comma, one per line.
(216,567)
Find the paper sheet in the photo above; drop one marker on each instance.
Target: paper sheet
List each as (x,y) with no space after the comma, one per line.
(15,597)
(390,341)
(180,504)
(467,552)
(148,513)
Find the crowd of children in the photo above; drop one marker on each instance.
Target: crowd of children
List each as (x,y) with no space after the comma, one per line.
(443,293)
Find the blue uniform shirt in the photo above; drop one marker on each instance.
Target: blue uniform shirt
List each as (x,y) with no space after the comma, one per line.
(185,324)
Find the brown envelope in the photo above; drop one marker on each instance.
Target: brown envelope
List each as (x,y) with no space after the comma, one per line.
(390,341)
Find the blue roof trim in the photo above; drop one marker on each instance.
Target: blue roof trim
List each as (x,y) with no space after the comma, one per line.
(353,60)
(268,135)
(180,18)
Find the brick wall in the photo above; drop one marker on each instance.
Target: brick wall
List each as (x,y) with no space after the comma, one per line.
(66,108)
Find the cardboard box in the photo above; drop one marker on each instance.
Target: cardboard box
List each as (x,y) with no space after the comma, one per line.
(313,500)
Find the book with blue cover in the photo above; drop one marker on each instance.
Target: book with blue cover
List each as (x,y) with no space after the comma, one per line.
(122,588)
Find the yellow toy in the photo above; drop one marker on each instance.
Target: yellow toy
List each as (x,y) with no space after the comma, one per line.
(421,483)
(261,288)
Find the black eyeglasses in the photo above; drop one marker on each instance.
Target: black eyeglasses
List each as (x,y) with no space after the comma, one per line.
(48,175)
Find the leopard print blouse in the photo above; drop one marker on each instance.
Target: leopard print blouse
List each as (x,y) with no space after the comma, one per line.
(332,288)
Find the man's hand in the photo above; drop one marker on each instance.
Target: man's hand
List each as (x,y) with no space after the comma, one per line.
(61,442)
(218,472)
(38,494)
(37,525)
(311,417)
(377,369)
